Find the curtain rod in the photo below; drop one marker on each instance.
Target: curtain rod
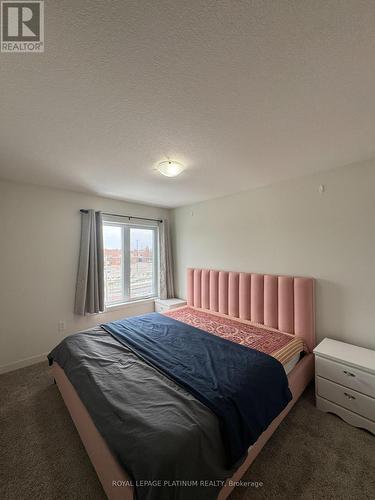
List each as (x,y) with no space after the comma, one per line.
(85,211)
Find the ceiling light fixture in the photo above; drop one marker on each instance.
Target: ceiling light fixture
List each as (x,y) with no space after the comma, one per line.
(170,168)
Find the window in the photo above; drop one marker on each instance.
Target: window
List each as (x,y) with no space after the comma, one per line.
(130,261)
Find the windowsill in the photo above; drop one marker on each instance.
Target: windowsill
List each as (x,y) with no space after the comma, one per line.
(126,305)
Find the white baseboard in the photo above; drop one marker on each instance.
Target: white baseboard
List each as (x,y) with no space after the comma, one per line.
(23,362)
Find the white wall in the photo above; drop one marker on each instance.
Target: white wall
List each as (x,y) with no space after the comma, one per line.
(289,228)
(39,246)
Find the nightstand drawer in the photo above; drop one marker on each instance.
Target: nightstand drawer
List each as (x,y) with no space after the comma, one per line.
(349,416)
(163,305)
(159,308)
(346,375)
(352,400)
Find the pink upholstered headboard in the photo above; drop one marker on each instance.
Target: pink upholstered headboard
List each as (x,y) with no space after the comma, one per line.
(282,302)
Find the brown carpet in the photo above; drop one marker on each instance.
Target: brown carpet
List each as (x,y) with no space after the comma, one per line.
(311,456)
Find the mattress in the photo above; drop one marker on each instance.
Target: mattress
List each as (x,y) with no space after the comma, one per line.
(285,347)
(153,405)
(288,367)
(134,407)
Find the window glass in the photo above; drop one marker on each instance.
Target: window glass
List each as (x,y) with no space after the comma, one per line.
(130,262)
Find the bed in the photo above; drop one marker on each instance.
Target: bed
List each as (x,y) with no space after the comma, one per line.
(268,307)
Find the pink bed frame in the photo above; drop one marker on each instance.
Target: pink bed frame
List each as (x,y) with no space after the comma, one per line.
(282,302)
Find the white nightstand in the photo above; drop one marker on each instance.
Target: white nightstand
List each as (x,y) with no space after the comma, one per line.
(168,304)
(345,382)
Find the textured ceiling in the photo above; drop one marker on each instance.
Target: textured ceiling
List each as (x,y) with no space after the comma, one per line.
(244,93)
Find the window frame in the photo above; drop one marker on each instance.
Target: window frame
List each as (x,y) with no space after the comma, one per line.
(126,226)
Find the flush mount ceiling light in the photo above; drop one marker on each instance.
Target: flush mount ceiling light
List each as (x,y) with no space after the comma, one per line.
(170,168)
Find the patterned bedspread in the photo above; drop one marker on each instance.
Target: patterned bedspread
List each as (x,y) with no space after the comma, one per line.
(281,346)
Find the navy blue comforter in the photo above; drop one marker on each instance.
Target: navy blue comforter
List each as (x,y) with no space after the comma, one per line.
(245,388)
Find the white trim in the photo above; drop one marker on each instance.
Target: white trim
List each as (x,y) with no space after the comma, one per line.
(122,219)
(126,305)
(22,363)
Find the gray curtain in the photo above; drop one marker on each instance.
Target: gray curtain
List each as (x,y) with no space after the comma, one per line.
(90,277)
(166,262)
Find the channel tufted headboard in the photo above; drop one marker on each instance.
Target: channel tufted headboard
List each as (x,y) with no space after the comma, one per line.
(282,302)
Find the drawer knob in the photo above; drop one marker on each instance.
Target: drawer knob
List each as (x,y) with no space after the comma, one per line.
(349,396)
(349,374)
